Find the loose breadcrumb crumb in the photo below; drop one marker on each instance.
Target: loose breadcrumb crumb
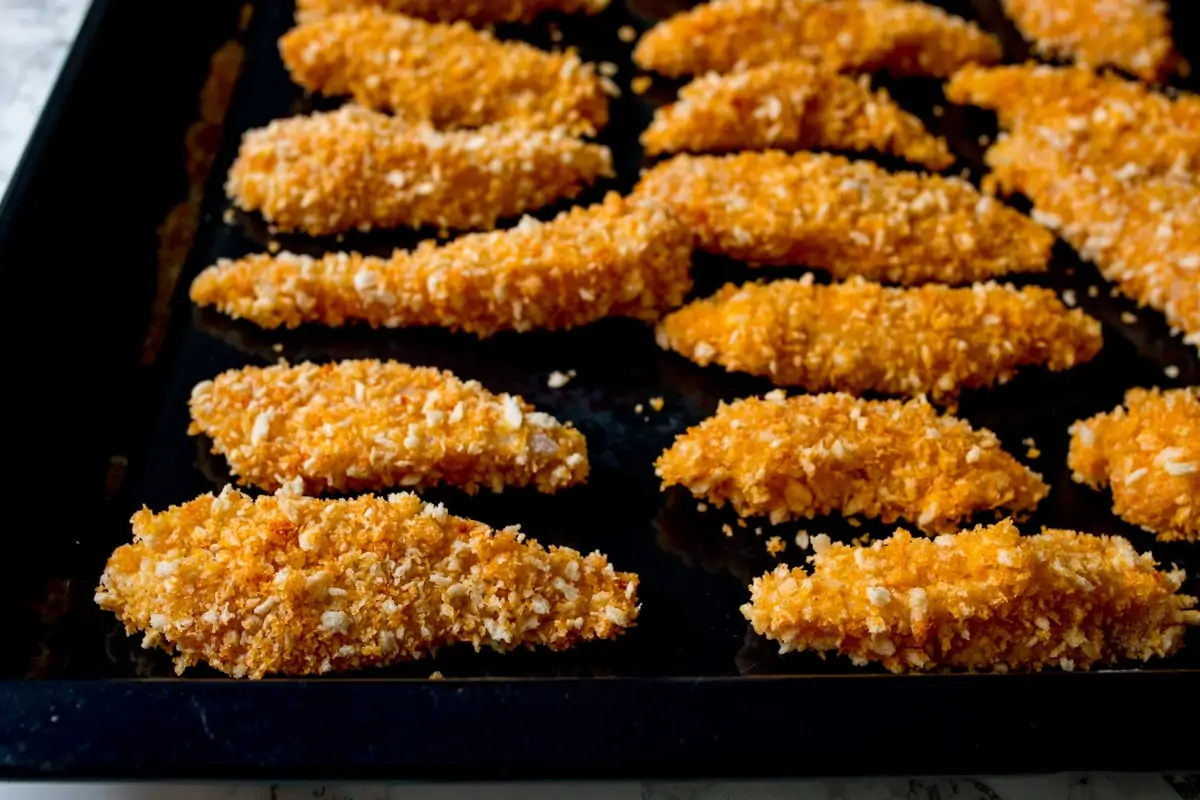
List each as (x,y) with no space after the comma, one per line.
(775,545)
(617,258)
(478,12)
(437,675)
(802,540)
(656,403)
(1171,371)
(448,75)
(558,380)
(986,599)
(1148,452)
(867,35)
(640,84)
(727,529)
(847,217)
(357,168)
(300,586)
(819,454)
(626,33)
(1134,35)
(859,336)
(791,106)
(355,425)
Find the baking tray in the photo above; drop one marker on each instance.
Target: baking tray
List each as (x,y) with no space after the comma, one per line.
(99,428)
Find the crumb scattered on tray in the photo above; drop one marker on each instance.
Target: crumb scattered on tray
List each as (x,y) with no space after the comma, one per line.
(775,545)
(626,33)
(557,379)
(640,84)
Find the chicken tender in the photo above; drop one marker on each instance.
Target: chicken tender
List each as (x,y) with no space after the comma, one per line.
(300,586)
(790,457)
(619,258)
(1148,452)
(1137,220)
(865,35)
(859,336)
(356,168)
(1015,92)
(792,106)
(1134,35)
(357,425)
(450,76)
(847,217)
(986,599)
(478,12)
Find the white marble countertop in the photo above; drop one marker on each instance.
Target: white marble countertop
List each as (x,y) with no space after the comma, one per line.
(34,38)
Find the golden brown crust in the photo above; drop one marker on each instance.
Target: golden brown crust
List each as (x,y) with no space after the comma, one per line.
(1148,452)
(1134,35)
(299,586)
(448,75)
(833,453)
(847,217)
(356,425)
(791,105)
(478,12)
(357,168)
(619,258)
(986,599)
(868,35)
(859,336)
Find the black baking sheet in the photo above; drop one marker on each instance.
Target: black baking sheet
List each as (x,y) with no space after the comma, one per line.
(690,690)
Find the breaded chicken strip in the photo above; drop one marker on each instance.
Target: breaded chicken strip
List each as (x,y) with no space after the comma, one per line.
(833,453)
(866,35)
(1129,202)
(847,217)
(299,586)
(1148,452)
(619,258)
(356,168)
(986,599)
(791,105)
(859,336)
(1134,35)
(451,76)
(478,12)
(356,425)
(1015,92)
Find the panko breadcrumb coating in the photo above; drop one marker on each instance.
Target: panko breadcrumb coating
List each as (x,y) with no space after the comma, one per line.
(1122,200)
(820,454)
(619,258)
(478,12)
(300,586)
(357,425)
(1016,91)
(847,217)
(791,106)
(867,35)
(450,76)
(859,336)
(1134,35)
(986,599)
(357,168)
(1148,452)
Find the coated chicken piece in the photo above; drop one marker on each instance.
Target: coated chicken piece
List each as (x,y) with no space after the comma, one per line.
(790,457)
(355,425)
(622,257)
(986,599)
(294,585)
(791,105)
(1134,35)
(477,12)
(448,75)
(1128,202)
(847,217)
(357,168)
(864,35)
(859,336)
(1148,452)
(1016,91)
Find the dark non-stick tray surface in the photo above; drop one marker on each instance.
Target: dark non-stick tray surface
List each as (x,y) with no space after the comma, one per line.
(690,691)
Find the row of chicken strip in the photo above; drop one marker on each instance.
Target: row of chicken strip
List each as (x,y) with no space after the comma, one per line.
(295,584)
(365,425)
